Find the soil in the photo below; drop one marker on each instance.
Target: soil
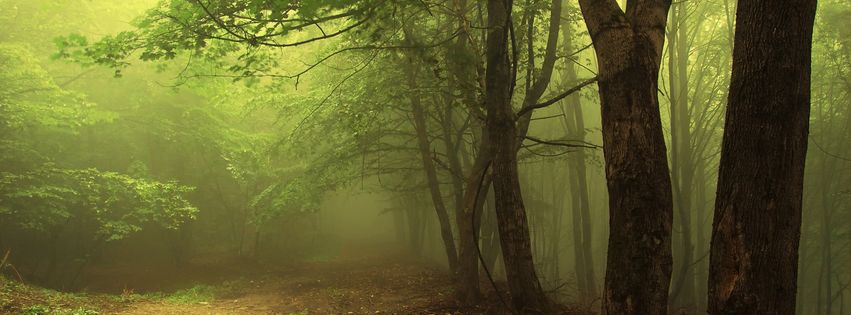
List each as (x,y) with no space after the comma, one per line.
(362,281)
(358,281)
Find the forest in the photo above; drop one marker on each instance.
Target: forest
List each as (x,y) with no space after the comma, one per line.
(425,157)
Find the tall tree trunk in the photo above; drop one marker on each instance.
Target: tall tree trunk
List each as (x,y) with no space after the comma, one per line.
(478,182)
(756,229)
(468,220)
(579,267)
(556,226)
(421,128)
(465,77)
(526,292)
(574,123)
(682,170)
(629,50)
(578,165)
(701,242)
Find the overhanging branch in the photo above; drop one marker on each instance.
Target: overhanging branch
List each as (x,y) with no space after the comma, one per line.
(525,110)
(564,143)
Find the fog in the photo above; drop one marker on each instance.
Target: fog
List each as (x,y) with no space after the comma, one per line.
(424,157)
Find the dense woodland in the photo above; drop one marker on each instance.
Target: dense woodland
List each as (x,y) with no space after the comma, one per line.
(540,156)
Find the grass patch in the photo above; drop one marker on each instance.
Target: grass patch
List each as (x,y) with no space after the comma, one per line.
(17,298)
(198,294)
(39,309)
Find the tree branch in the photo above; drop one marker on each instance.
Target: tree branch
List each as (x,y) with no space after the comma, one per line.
(563,143)
(559,97)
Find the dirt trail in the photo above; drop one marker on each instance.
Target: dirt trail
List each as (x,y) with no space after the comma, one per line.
(357,284)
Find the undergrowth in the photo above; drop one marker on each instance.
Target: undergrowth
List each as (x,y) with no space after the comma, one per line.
(17,298)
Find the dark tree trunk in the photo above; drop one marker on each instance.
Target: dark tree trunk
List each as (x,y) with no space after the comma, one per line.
(526,292)
(478,180)
(629,50)
(757,223)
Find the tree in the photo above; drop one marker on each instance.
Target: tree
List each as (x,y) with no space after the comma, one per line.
(682,166)
(574,124)
(42,192)
(526,292)
(629,51)
(756,228)
(424,145)
(823,281)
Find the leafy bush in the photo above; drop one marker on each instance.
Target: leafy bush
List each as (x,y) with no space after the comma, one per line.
(118,204)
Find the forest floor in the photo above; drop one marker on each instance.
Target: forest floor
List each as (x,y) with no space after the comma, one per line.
(360,283)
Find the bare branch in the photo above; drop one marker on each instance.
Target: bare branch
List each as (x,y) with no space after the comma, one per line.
(527,109)
(564,143)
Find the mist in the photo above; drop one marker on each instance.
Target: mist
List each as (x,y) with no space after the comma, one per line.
(425,157)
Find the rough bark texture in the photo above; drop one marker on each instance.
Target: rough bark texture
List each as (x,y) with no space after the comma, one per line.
(526,292)
(756,228)
(629,48)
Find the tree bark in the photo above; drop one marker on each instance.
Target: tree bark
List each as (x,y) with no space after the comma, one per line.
(526,292)
(629,49)
(756,228)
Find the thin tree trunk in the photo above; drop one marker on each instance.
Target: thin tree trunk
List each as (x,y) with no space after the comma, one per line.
(584,209)
(463,69)
(701,248)
(469,218)
(558,197)
(629,49)
(580,201)
(421,127)
(756,229)
(682,170)
(526,292)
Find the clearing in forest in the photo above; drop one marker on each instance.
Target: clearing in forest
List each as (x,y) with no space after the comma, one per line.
(365,283)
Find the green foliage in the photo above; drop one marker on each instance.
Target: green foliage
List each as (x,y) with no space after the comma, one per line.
(40,195)
(36,309)
(19,298)
(119,204)
(216,29)
(29,96)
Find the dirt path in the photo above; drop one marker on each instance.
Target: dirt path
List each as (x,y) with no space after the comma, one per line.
(379,282)
(362,285)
